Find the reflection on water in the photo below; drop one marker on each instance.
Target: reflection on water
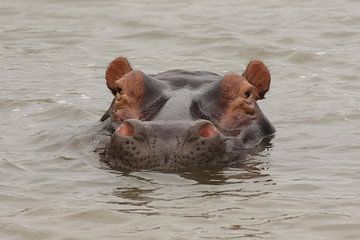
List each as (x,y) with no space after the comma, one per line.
(187,205)
(151,197)
(244,171)
(304,185)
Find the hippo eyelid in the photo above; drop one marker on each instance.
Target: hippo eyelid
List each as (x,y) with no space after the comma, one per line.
(248,92)
(119,90)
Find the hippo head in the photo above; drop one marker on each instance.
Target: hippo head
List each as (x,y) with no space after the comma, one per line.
(182,119)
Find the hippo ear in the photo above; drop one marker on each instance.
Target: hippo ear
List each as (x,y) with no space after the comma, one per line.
(258,75)
(116,69)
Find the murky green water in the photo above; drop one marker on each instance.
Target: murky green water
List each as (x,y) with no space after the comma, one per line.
(53,55)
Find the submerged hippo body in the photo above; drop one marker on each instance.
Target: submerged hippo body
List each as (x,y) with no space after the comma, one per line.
(182,119)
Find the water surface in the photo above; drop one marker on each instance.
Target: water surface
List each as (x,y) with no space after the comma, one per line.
(53,55)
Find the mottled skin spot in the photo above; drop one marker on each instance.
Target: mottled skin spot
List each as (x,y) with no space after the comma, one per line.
(181,119)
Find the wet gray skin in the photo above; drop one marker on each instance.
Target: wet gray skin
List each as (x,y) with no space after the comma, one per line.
(165,145)
(171,138)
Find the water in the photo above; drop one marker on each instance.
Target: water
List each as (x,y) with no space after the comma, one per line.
(53,55)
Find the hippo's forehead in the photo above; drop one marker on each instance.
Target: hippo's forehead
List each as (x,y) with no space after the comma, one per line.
(183,86)
(177,106)
(187,79)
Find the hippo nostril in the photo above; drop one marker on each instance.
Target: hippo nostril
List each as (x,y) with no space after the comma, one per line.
(125,130)
(207,130)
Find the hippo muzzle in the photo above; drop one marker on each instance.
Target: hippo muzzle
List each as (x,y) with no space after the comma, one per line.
(165,145)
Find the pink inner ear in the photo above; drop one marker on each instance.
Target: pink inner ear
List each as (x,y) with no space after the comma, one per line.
(207,131)
(258,75)
(116,69)
(125,130)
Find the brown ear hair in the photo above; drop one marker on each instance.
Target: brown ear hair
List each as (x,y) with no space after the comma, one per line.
(258,75)
(116,69)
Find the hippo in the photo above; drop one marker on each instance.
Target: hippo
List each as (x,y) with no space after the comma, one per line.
(183,119)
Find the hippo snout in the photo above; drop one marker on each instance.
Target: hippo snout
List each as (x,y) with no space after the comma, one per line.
(165,145)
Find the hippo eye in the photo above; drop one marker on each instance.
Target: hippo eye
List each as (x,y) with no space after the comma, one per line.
(119,90)
(247,94)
